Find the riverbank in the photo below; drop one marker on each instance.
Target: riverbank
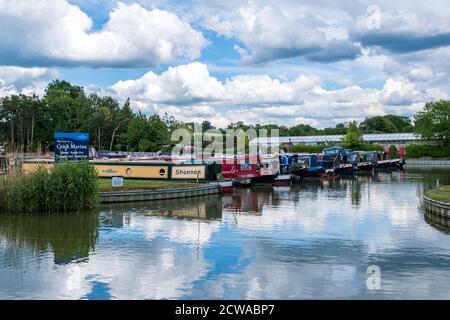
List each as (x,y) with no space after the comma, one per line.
(437,201)
(441,194)
(428,162)
(159,194)
(129,184)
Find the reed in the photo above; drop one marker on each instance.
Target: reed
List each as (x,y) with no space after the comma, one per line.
(68,186)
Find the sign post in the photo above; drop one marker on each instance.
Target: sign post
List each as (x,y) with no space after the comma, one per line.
(117,182)
(72,146)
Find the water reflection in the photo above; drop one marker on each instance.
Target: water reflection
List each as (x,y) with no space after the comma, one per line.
(312,240)
(206,208)
(70,236)
(440,222)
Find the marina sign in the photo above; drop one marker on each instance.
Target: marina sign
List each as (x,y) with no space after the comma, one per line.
(71,146)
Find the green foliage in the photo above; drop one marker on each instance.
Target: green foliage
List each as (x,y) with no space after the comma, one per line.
(432,151)
(393,152)
(301,148)
(147,133)
(433,122)
(68,186)
(144,145)
(370,147)
(386,124)
(440,194)
(353,138)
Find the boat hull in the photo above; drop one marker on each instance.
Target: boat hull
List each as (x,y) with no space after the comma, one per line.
(282,180)
(364,167)
(344,170)
(226,186)
(265,179)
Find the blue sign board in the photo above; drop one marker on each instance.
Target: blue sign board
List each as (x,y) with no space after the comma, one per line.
(71,146)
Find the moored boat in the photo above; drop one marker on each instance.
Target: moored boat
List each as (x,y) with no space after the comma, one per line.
(226,185)
(311,167)
(282,180)
(357,160)
(246,170)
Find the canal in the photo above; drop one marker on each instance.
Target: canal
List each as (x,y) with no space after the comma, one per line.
(313,240)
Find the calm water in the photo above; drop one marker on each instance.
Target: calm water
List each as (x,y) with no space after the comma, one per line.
(314,240)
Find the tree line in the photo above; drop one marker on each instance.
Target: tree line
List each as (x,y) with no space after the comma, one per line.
(27,123)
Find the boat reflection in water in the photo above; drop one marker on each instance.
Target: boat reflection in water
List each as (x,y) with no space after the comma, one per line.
(205,208)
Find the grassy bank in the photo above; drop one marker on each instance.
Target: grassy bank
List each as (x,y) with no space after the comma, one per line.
(440,194)
(422,151)
(66,187)
(129,184)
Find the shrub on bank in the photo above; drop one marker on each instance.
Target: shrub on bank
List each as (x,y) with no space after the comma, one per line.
(300,148)
(370,147)
(66,187)
(421,150)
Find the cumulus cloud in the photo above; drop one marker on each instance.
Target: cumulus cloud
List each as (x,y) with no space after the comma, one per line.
(404,29)
(190,93)
(15,80)
(183,84)
(55,32)
(271,33)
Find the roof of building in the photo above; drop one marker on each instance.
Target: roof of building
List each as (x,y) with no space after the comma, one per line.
(377,137)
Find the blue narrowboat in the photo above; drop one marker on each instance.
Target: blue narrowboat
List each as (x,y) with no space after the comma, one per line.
(357,160)
(335,161)
(313,169)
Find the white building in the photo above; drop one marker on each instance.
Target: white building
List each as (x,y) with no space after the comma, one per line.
(384,139)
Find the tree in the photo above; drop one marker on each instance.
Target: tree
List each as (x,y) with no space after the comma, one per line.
(386,124)
(433,121)
(121,120)
(353,138)
(206,125)
(393,152)
(144,145)
(302,130)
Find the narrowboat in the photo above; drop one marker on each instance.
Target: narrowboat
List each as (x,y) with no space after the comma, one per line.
(335,158)
(357,160)
(289,165)
(246,170)
(226,185)
(282,180)
(397,163)
(311,167)
(372,157)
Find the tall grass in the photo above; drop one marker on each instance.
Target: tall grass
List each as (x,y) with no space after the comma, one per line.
(68,186)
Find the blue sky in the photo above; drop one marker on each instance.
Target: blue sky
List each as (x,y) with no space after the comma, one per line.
(260,61)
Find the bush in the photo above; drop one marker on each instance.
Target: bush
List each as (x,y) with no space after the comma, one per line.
(68,186)
(421,150)
(301,148)
(370,147)
(393,153)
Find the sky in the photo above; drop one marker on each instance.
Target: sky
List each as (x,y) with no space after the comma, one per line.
(286,61)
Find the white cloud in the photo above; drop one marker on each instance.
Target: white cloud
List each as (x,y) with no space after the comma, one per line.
(190,93)
(185,83)
(54,32)
(271,32)
(15,80)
